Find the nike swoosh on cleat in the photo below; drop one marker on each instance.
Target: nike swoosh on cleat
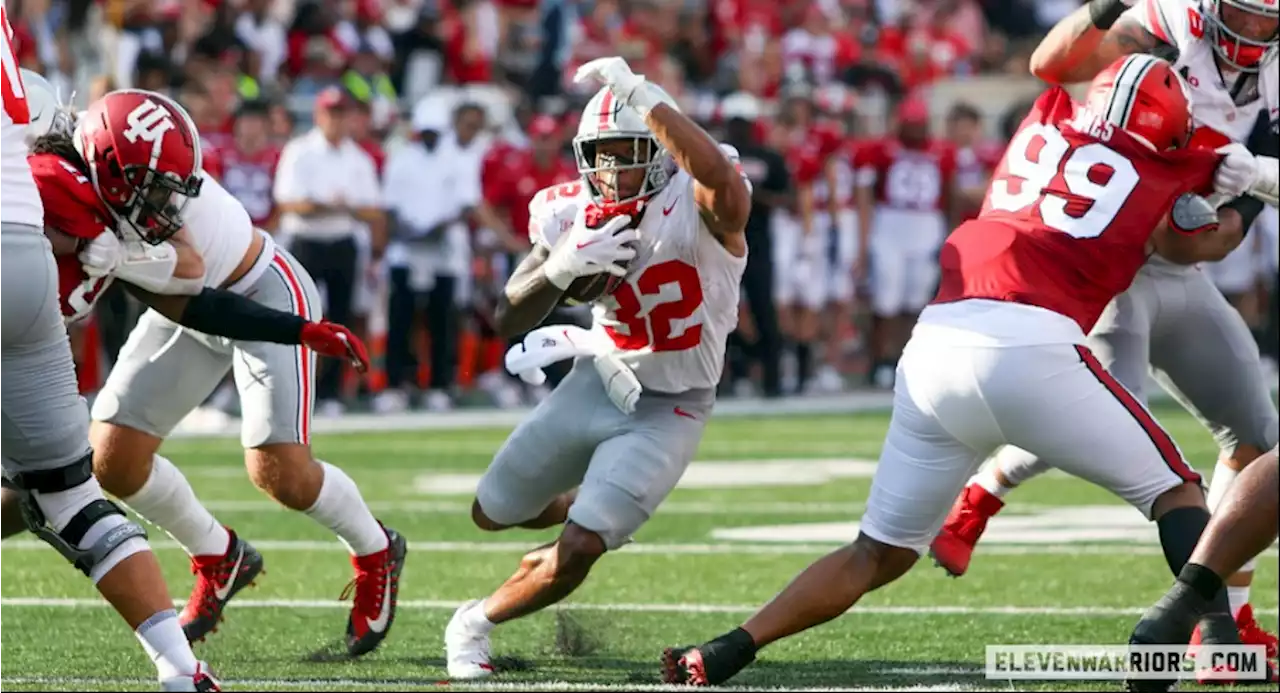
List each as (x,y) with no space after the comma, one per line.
(222,591)
(379,624)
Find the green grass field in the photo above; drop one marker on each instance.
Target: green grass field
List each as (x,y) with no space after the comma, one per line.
(1065,564)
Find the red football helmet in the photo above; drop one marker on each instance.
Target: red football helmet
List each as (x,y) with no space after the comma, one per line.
(1145,97)
(143,153)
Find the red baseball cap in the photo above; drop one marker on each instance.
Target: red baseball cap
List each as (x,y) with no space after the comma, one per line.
(543,125)
(913,109)
(332,97)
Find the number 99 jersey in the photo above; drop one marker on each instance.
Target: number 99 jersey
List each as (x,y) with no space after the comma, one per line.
(71,207)
(1066,220)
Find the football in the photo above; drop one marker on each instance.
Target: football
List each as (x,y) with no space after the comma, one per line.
(590,288)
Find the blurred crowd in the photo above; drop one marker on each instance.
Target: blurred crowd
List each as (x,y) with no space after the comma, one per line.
(423,127)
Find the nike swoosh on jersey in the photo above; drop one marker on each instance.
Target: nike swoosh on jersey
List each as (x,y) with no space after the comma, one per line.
(666,211)
(221,591)
(379,624)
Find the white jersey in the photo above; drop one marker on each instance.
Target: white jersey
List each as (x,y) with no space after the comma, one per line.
(221,230)
(669,320)
(1180,23)
(20,203)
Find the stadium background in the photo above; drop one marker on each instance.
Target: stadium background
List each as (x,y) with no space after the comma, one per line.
(852,59)
(775,484)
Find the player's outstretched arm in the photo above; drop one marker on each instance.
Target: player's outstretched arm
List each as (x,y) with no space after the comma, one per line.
(227,314)
(1088,40)
(719,189)
(528,297)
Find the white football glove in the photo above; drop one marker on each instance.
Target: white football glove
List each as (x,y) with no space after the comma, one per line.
(102,256)
(1238,171)
(149,267)
(589,251)
(620,382)
(547,345)
(627,86)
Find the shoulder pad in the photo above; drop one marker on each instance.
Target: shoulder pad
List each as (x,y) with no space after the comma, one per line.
(70,203)
(1175,22)
(551,211)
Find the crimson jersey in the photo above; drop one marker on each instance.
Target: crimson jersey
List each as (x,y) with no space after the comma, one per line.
(510,177)
(908,177)
(249,177)
(1068,215)
(72,207)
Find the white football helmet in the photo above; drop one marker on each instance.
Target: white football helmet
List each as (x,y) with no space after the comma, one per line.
(1237,50)
(607,118)
(47,111)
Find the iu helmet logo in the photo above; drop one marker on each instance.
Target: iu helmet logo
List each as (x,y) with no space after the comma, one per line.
(144,161)
(148,122)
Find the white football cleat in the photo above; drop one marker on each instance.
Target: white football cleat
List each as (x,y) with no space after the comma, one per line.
(201,682)
(466,651)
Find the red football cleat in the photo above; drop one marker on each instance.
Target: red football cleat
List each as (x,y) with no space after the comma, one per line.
(953,548)
(376,588)
(1251,633)
(218,579)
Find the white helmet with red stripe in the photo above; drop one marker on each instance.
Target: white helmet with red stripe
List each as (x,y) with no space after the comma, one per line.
(606,118)
(1144,96)
(1226,23)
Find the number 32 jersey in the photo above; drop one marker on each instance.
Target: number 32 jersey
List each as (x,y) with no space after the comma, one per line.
(671,316)
(1068,215)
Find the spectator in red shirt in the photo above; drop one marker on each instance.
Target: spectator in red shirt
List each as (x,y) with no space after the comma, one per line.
(512,178)
(249,164)
(361,125)
(975,159)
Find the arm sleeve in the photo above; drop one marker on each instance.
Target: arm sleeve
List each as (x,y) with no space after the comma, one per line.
(226,314)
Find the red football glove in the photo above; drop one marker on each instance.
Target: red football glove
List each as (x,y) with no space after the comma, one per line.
(335,341)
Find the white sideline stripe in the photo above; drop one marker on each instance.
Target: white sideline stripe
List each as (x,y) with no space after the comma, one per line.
(423,684)
(655,548)
(848,403)
(446,605)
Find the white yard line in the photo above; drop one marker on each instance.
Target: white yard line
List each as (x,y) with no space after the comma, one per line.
(696,549)
(447,605)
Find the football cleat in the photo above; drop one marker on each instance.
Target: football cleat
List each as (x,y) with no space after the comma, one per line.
(953,548)
(376,587)
(710,664)
(1251,633)
(200,682)
(466,651)
(218,579)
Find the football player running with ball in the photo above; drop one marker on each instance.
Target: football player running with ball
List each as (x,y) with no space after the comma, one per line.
(661,211)
(999,357)
(1172,317)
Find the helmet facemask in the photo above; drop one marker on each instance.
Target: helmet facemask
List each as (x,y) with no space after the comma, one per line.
(1237,50)
(609,171)
(154,211)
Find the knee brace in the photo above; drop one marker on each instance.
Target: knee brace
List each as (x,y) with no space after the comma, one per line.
(66,508)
